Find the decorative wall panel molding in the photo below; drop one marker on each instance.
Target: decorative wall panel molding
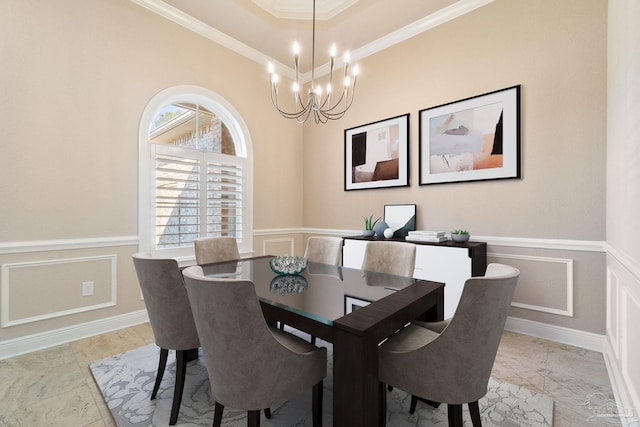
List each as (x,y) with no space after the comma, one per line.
(56,286)
(613,311)
(283,246)
(549,289)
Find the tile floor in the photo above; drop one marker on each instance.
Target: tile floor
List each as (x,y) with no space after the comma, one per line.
(54,387)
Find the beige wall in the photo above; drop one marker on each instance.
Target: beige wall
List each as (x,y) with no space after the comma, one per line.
(557,52)
(76,76)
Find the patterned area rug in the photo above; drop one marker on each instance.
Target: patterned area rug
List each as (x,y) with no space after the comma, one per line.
(126,381)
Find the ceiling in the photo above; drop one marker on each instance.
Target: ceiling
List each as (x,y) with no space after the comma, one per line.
(264,30)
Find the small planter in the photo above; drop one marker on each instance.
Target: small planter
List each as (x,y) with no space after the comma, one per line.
(367,233)
(460,238)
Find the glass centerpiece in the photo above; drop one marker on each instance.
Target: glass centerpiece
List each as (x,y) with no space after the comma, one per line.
(286,265)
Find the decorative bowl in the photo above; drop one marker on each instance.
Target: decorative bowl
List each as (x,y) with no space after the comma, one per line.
(286,265)
(368,233)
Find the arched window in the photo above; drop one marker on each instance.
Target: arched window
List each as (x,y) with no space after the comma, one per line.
(195,172)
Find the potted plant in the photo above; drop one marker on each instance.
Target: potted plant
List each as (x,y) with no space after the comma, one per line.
(369,223)
(460,235)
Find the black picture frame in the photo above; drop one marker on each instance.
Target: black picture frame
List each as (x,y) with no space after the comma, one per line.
(376,155)
(472,139)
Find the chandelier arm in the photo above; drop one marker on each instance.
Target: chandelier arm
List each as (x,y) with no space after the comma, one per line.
(338,114)
(286,114)
(330,107)
(348,98)
(299,101)
(308,111)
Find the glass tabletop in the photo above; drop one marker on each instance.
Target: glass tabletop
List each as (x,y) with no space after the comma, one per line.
(321,292)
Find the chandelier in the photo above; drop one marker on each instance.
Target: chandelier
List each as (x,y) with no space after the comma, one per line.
(325,106)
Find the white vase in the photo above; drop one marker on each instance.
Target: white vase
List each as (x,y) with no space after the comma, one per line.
(388,233)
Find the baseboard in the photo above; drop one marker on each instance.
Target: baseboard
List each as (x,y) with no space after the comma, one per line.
(624,404)
(27,344)
(574,337)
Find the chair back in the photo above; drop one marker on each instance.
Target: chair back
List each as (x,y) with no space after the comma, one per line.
(325,250)
(248,368)
(167,303)
(464,353)
(390,257)
(215,249)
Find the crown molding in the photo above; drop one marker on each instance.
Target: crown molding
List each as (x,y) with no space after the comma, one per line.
(446,14)
(295,9)
(189,22)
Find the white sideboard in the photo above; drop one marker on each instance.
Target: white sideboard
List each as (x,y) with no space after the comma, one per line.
(448,262)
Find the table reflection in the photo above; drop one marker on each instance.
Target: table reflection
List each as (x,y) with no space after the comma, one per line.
(283,285)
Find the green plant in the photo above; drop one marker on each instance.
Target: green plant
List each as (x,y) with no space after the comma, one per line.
(458,231)
(369,223)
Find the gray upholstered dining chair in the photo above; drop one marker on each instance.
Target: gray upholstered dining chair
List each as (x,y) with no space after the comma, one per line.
(390,257)
(250,364)
(325,250)
(215,249)
(167,303)
(452,366)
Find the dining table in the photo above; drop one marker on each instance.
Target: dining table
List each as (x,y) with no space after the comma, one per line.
(353,309)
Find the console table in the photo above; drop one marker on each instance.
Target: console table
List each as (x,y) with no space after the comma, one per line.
(448,262)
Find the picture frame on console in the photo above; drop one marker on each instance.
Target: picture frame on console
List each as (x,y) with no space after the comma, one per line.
(376,155)
(400,218)
(472,139)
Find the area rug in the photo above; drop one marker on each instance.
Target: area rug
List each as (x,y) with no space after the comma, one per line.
(126,381)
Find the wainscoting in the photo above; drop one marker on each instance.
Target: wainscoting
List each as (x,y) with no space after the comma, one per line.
(568,292)
(52,292)
(622,347)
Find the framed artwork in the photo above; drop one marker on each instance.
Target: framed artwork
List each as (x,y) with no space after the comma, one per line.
(472,139)
(353,303)
(377,155)
(400,218)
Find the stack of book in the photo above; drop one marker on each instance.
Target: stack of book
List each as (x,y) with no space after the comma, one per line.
(427,236)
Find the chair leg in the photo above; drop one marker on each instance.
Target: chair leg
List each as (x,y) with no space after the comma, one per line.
(267,413)
(382,404)
(162,363)
(253,419)
(454,413)
(217,414)
(316,405)
(414,403)
(181,371)
(475,414)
